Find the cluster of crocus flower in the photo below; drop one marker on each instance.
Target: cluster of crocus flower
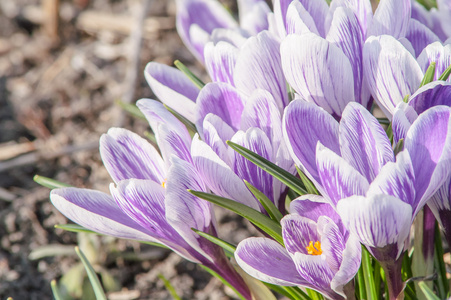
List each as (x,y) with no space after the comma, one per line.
(297,86)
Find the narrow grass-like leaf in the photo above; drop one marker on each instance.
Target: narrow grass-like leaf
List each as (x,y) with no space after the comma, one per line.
(399,147)
(169,287)
(283,290)
(266,224)
(55,290)
(428,75)
(96,286)
(267,204)
(131,109)
(383,121)
(189,74)
(284,176)
(406,99)
(445,74)
(214,274)
(228,248)
(368,275)
(309,186)
(439,265)
(314,295)
(190,126)
(389,132)
(74,228)
(49,182)
(427,291)
(361,283)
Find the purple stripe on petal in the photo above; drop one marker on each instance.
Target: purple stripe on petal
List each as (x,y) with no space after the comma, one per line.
(216,132)
(364,143)
(333,242)
(302,132)
(313,207)
(420,36)
(403,118)
(432,94)
(338,178)
(298,232)
(391,17)
(436,52)
(219,177)
(391,71)
(173,88)
(429,144)
(378,220)
(318,10)
(220,61)
(97,211)
(222,100)
(318,71)
(268,261)
(127,155)
(259,67)
(298,20)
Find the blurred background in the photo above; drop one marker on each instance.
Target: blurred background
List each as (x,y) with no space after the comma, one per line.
(64,65)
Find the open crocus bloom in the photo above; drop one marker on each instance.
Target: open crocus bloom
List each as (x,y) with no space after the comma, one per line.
(319,253)
(353,165)
(149,199)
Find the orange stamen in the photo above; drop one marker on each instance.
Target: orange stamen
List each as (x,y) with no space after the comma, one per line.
(314,249)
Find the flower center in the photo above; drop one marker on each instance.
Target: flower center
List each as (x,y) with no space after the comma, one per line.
(314,249)
(163,184)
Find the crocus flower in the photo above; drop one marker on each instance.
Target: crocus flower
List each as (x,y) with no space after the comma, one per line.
(354,167)
(197,19)
(149,199)
(319,253)
(393,72)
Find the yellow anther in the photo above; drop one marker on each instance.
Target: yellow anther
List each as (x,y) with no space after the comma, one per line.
(314,249)
(163,184)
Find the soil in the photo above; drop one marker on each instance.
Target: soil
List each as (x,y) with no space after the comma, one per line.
(58,94)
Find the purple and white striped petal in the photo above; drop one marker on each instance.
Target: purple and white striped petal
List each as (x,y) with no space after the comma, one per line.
(391,71)
(403,118)
(313,207)
(338,178)
(431,94)
(332,242)
(218,176)
(97,211)
(255,140)
(362,10)
(144,202)
(429,144)
(255,19)
(318,71)
(345,33)
(216,132)
(268,261)
(363,142)
(298,232)
(185,211)
(173,88)
(206,15)
(220,61)
(298,20)
(420,36)
(378,220)
(222,100)
(259,67)
(127,155)
(438,53)
(396,179)
(302,132)
(391,17)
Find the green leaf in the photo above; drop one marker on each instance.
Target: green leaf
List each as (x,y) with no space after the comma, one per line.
(406,99)
(439,264)
(96,286)
(74,228)
(190,126)
(267,204)
(309,186)
(284,176)
(428,75)
(445,74)
(399,147)
(51,250)
(131,109)
(368,275)
(228,248)
(383,121)
(389,132)
(225,282)
(268,225)
(49,183)
(314,295)
(55,290)
(427,291)
(189,74)
(169,287)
